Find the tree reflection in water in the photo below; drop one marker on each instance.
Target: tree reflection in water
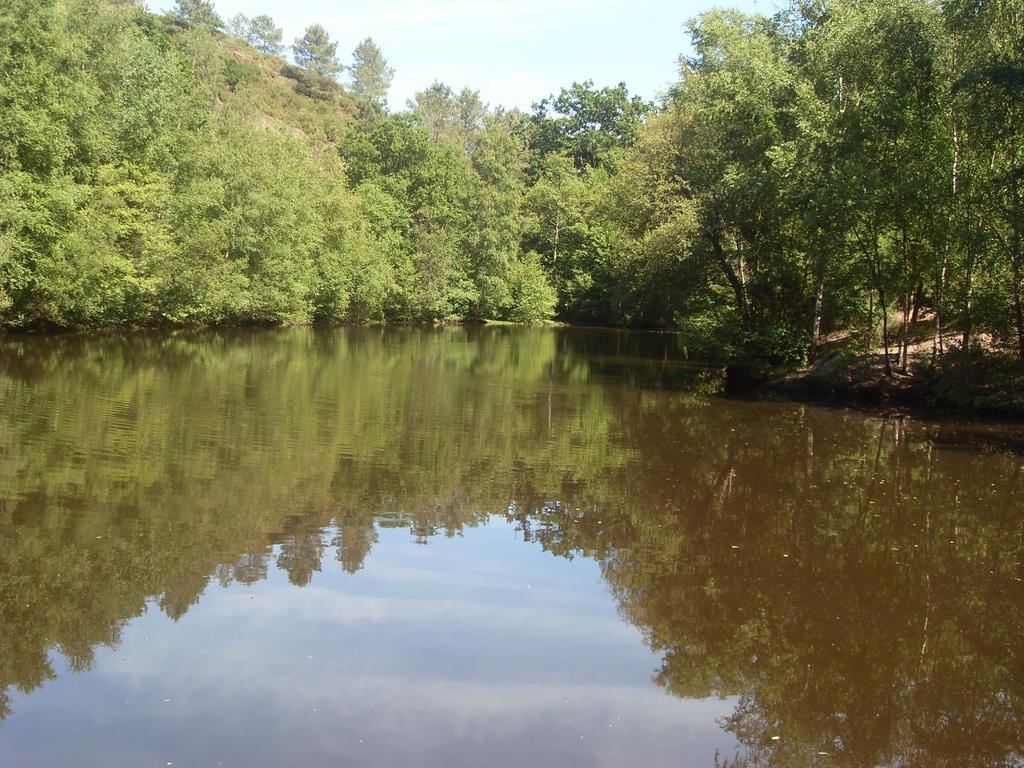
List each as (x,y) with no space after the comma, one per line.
(855,581)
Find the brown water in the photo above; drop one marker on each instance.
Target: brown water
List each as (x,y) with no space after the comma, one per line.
(489,547)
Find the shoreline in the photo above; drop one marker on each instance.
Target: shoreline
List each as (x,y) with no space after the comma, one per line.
(972,386)
(979,385)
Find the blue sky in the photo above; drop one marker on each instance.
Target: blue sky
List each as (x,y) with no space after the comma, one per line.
(514,52)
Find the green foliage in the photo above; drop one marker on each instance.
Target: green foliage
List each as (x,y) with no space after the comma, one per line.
(587,123)
(260,32)
(466,218)
(840,167)
(840,170)
(449,116)
(533,298)
(140,205)
(495,208)
(571,231)
(197,13)
(316,53)
(370,73)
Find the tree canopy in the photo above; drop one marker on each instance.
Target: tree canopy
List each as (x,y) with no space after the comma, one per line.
(371,76)
(316,52)
(197,13)
(260,32)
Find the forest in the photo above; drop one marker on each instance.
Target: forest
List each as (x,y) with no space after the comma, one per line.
(841,170)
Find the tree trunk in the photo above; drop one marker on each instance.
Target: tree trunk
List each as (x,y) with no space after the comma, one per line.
(554,255)
(885,326)
(874,263)
(907,300)
(1016,259)
(915,311)
(918,301)
(969,308)
(871,321)
(940,291)
(730,275)
(904,342)
(1018,303)
(955,181)
(819,298)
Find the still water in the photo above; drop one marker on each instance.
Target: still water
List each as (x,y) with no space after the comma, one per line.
(489,547)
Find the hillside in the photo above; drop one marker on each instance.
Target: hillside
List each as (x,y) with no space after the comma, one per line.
(269,92)
(159,172)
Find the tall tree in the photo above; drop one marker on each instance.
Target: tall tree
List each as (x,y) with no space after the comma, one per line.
(989,91)
(495,205)
(266,35)
(240,26)
(260,32)
(370,74)
(732,113)
(316,53)
(448,116)
(197,13)
(885,56)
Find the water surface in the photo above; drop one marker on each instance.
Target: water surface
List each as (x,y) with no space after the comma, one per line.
(500,547)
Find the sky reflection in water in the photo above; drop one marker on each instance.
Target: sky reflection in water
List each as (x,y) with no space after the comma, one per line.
(491,547)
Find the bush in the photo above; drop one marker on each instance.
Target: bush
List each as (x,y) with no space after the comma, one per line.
(533,298)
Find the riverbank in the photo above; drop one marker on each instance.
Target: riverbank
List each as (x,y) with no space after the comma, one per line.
(977,383)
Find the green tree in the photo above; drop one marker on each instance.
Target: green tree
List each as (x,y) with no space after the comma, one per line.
(370,74)
(731,112)
(571,232)
(495,207)
(260,32)
(316,53)
(887,58)
(197,13)
(659,271)
(989,98)
(533,297)
(449,116)
(587,123)
(418,191)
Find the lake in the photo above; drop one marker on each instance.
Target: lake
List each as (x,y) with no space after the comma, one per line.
(489,547)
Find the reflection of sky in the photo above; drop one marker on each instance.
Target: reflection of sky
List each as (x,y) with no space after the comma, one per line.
(473,651)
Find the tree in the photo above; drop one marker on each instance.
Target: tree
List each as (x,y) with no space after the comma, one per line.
(587,123)
(240,26)
(259,32)
(497,217)
(533,297)
(197,13)
(371,76)
(658,272)
(448,116)
(730,113)
(886,56)
(988,92)
(571,233)
(417,192)
(267,36)
(315,52)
